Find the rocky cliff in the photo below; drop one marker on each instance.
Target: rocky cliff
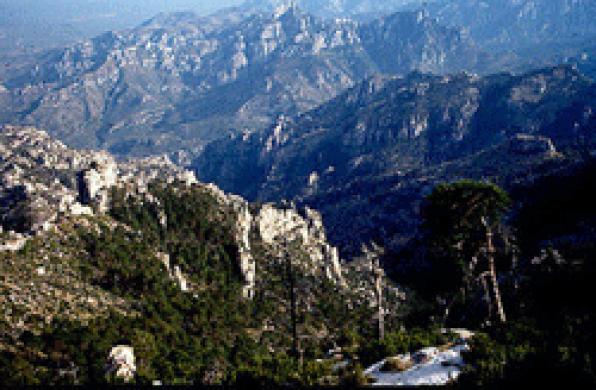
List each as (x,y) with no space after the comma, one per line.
(279,228)
(45,183)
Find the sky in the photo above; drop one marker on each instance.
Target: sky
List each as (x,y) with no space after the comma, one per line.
(45,23)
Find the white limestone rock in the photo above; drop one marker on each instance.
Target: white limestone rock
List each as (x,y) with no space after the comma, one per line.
(96,181)
(180,279)
(276,226)
(174,273)
(121,362)
(247,262)
(14,243)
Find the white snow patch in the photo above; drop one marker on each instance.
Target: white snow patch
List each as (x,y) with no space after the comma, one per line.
(440,369)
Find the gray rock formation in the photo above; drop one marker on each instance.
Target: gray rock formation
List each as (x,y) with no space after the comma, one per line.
(95,182)
(121,363)
(180,81)
(41,180)
(275,225)
(277,228)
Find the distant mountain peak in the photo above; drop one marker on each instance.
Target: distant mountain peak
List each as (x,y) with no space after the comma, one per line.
(181,81)
(286,8)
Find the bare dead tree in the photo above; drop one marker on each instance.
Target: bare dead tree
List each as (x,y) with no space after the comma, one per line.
(492,270)
(373,254)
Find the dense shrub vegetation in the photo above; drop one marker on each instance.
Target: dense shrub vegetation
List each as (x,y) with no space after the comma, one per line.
(210,335)
(542,258)
(549,338)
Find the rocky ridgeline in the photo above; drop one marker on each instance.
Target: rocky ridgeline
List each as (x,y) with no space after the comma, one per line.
(41,179)
(510,24)
(42,182)
(180,81)
(366,159)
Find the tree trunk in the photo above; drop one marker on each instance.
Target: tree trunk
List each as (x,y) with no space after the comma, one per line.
(490,249)
(379,288)
(484,279)
(292,307)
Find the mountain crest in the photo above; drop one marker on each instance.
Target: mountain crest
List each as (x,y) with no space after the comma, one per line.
(288,9)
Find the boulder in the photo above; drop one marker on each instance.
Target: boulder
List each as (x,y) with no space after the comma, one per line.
(121,362)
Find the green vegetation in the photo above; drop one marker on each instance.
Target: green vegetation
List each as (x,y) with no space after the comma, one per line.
(209,335)
(461,220)
(549,337)
(487,254)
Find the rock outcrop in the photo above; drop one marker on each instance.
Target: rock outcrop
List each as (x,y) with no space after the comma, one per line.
(96,181)
(175,273)
(41,179)
(44,182)
(278,228)
(121,363)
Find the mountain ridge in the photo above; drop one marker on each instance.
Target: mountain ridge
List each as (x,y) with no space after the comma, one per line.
(178,80)
(394,132)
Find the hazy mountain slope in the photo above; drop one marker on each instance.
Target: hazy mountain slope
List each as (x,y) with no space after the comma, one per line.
(31,25)
(367,157)
(511,24)
(179,81)
(359,9)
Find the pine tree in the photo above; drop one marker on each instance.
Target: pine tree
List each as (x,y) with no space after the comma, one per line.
(460,220)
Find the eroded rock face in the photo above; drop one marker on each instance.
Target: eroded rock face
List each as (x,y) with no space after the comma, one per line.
(41,179)
(279,228)
(121,362)
(247,261)
(95,182)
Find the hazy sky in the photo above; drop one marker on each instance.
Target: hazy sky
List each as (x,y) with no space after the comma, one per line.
(54,22)
(131,11)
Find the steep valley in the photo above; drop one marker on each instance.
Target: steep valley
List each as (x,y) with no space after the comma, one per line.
(367,158)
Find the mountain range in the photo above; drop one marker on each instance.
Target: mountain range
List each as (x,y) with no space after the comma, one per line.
(180,81)
(354,9)
(283,193)
(507,24)
(367,158)
(259,96)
